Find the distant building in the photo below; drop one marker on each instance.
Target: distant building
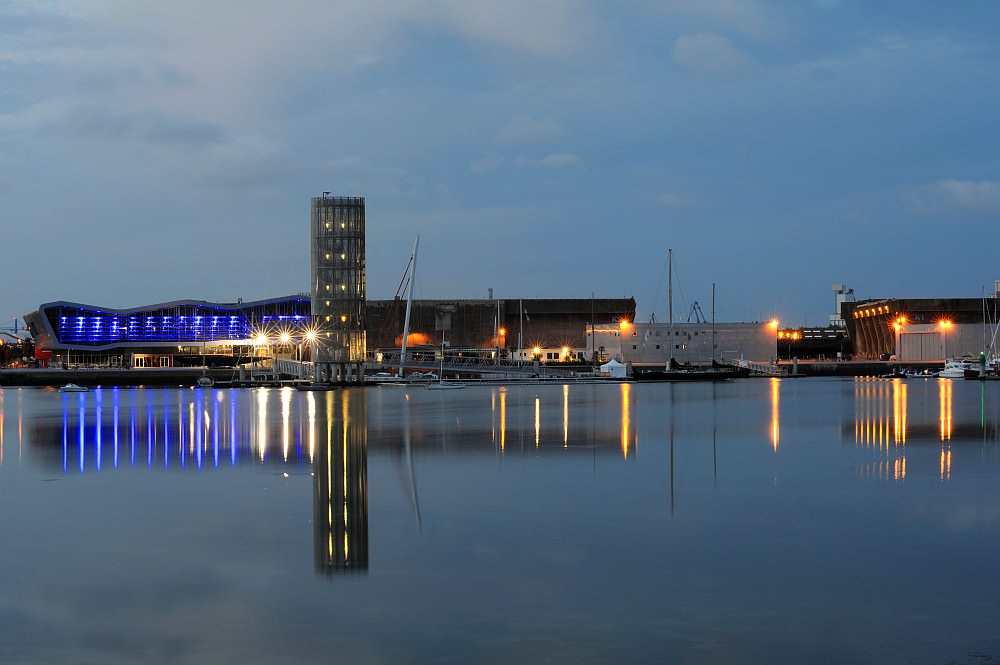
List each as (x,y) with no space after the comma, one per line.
(505,324)
(196,332)
(177,333)
(695,343)
(922,328)
(842,294)
(337,251)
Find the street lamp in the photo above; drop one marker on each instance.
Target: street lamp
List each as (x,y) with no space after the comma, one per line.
(945,325)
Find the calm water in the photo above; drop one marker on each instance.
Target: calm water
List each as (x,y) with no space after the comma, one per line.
(758,521)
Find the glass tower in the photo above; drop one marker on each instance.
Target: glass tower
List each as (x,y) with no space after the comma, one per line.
(338,287)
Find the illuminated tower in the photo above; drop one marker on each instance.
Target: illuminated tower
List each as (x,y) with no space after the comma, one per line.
(338,287)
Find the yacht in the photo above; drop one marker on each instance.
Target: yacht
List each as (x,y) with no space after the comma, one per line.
(955,369)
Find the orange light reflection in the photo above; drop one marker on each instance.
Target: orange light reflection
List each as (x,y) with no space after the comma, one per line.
(775,411)
(626,420)
(944,395)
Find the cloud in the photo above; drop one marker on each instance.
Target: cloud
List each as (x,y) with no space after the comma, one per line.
(247,160)
(672,200)
(759,20)
(486,165)
(148,126)
(958,195)
(525,129)
(555,161)
(709,53)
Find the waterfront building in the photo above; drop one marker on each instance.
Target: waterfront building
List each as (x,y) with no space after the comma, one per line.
(694,343)
(507,325)
(177,333)
(337,232)
(196,332)
(920,329)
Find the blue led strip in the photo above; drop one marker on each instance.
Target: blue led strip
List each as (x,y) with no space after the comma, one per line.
(179,324)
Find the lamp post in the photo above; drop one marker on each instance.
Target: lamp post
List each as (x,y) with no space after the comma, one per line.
(945,325)
(773,325)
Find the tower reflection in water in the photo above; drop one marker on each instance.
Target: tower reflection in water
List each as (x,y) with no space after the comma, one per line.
(165,431)
(341,486)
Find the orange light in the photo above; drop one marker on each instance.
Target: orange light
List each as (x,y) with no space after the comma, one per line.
(502,331)
(945,323)
(773,323)
(624,324)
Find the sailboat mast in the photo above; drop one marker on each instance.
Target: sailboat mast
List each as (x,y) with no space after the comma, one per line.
(670,306)
(409,305)
(520,330)
(713,322)
(670,287)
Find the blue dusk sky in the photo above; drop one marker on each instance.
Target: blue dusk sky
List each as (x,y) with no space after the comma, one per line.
(153,151)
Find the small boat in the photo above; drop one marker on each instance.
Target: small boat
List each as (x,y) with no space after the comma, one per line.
(73,388)
(445,385)
(919,374)
(314,386)
(679,372)
(955,369)
(205,381)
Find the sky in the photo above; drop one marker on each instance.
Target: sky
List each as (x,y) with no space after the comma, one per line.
(156,151)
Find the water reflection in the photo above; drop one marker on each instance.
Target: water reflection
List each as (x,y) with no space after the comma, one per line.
(167,428)
(945,401)
(880,423)
(891,416)
(775,411)
(341,487)
(525,492)
(170,430)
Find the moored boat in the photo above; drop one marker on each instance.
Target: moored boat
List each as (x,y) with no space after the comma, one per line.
(955,369)
(73,388)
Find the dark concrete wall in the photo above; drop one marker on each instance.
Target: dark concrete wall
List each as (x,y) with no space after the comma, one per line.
(546,322)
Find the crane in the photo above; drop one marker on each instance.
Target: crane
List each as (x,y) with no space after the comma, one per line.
(696,312)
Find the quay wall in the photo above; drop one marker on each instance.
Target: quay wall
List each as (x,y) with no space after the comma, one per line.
(160,376)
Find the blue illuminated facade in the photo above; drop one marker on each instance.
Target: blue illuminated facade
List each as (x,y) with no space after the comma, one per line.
(67,325)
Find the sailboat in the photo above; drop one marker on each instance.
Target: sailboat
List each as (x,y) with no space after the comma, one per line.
(384,378)
(441,384)
(674,371)
(204,381)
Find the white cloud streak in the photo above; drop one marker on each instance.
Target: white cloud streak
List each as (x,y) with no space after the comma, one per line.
(709,53)
(982,196)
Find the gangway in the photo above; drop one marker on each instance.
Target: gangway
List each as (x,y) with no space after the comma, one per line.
(757,368)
